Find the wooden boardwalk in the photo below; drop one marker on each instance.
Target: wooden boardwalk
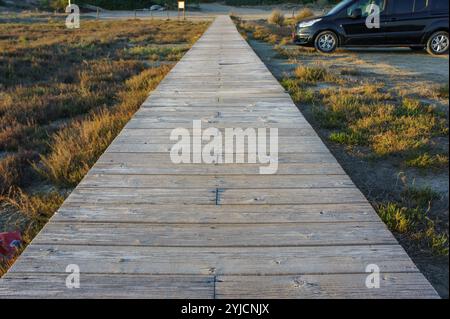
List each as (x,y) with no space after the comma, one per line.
(141,226)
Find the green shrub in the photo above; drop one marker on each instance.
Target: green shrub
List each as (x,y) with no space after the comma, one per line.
(421,197)
(347,138)
(400,219)
(426,160)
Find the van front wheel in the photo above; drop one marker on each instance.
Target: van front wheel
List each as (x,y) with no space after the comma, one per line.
(326,42)
(438,43)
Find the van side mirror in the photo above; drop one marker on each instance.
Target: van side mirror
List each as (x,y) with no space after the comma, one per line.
(356,13)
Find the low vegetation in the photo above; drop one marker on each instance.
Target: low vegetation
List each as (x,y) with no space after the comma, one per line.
(369,116)
(64,95)
(442,91)
(276,17)
(270,32)
(381,125)
(303,14)
(410,217)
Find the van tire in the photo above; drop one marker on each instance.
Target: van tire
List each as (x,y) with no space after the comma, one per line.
(326,42)
(438,43)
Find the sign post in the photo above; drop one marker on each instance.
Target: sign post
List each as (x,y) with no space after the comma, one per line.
(182,6)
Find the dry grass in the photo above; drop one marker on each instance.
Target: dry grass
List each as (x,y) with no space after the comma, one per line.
(276,17)
(65,94)
(388,126)
(308,74)
(300,86)
(303,14)
(426,160)
(77,147)
(368,116)
(262,31)
(300,93)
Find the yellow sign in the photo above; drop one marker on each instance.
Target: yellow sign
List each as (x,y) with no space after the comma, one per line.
(180,4)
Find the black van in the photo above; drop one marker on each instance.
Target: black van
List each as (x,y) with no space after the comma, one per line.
(417,24)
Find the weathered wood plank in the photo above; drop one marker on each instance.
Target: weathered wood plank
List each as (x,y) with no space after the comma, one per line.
(215,261)
(216,235)
(338,286)
(167,167)
(205,196)
(223,214)
(165,132)
(146,123)
(287,142)
(290,196)
(157,158)
(216,181)
(37,285)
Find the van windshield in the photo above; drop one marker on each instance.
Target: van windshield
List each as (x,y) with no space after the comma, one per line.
(339,7)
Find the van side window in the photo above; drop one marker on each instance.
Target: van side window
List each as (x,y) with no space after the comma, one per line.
(365,6)
(421,5)
(402,7)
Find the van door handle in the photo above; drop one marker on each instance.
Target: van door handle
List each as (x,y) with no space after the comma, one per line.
(393,19)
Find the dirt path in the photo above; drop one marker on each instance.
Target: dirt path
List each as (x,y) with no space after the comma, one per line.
(417,64)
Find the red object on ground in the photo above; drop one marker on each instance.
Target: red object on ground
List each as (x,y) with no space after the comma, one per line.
(9,243)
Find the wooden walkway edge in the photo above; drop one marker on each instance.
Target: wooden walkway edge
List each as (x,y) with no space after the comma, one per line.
(140,226)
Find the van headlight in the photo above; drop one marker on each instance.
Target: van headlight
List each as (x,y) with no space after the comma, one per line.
(308,23)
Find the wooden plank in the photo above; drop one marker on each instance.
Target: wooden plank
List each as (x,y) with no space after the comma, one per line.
(153,196)
(216,181)
(150,123)
(288,142)
(216,235)
(338,286)
(297,132)
(37,285)
(291,196)
(128,147)
(156,158)
(167,167)
(215,214)
(205,196)
(215,261)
